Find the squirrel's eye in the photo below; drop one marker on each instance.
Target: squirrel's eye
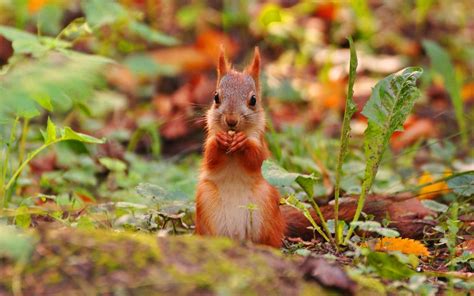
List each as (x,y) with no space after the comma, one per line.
(253,100)
(216,98)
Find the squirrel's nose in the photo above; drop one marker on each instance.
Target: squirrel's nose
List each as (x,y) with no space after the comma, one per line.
(231,121)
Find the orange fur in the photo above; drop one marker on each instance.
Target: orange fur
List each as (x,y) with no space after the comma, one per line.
(214,156)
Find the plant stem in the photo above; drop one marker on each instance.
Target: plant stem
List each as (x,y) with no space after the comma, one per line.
(24,134)
(27,160)
(360,206)
(321,218)
(3,188)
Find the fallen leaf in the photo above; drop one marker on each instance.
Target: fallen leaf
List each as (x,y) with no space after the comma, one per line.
(415,130)
(467,92)
(328,274)
(121,78)
(327,10)
(183,58)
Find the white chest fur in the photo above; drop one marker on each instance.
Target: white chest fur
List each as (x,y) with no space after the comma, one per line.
(237,212)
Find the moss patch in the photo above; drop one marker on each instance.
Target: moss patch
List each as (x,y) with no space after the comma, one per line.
(69,261)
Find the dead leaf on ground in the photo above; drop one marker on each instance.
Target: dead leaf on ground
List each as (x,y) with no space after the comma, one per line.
(328,274)
(198,57)
(415,130)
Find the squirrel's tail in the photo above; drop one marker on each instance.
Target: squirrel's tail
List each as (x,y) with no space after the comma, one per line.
(297,224)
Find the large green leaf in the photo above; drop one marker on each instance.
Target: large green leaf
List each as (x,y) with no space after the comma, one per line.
(391,101)
(56,80)
(276,175)
(389,105)
(442,64)
(27,43)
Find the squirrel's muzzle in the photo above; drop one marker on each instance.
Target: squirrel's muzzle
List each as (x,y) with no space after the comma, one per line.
(231,120)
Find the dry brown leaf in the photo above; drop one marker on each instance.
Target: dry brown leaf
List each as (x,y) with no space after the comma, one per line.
(415,129)
(328,274)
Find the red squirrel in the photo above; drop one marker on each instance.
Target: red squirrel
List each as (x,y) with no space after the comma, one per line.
(233,199)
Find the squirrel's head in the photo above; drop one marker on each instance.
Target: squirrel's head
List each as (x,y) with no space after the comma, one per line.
(237,103)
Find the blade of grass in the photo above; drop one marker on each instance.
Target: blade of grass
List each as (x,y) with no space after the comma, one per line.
(345,133)
(441,63)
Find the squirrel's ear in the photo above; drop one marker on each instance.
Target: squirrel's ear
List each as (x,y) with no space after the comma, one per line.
(254,68)
(222,66)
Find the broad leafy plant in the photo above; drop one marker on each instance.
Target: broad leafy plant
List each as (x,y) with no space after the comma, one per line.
(389,105)
(44,74)
(387,109)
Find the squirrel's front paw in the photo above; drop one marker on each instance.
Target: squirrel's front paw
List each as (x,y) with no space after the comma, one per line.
(224,140)
(238,142)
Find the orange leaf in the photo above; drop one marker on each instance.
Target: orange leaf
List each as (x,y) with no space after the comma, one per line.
(415,129)
(467,92)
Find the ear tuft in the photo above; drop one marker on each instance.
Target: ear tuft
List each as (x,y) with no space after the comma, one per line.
(222,66)
(254,67)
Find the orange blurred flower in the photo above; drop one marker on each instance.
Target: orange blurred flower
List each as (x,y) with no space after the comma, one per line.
(433,190)
(35,5)
(403,245)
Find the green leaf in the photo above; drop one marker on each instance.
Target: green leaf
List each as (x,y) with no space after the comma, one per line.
(14,34)
(50,18)
(144,65)
(373,226)
(387,232)
(295,203)
(152,35)
(159,193)
(463,184)
(23,42)
(366,225)
(68,134)
(15,244)
(55,80)
(111,164)
(307,183)
(442,64)
(278,176)
(434,205)
(103,12)
(388,266)
(22,217)
(50,132)
(77,28)
(389,105)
